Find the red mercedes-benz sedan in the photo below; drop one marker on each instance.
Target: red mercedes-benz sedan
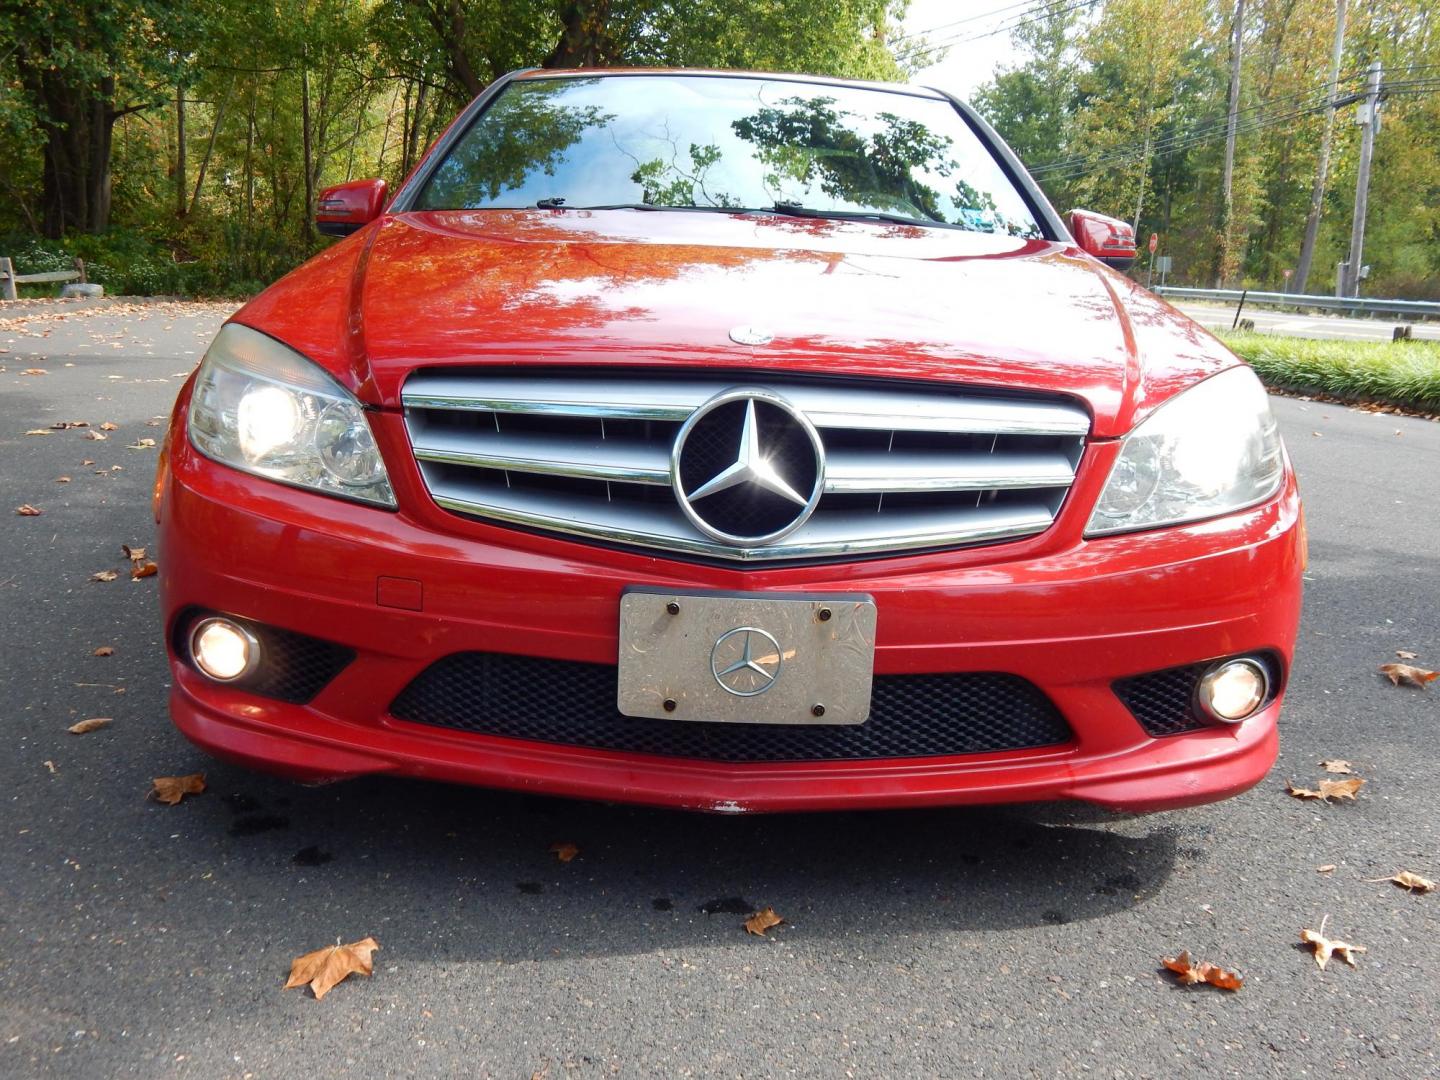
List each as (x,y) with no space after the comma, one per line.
(734,442)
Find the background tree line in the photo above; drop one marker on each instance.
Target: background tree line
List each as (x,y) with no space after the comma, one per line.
(179,146)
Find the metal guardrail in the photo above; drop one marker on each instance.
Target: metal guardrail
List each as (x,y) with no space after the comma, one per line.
(1350,305)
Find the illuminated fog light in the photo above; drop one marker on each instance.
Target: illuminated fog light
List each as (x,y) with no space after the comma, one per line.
(224,650)
(1234,690)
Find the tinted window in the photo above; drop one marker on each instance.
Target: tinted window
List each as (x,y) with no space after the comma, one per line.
(724,143)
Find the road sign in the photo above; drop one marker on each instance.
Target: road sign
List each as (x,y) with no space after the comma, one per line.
(1154,242)
(1163,264)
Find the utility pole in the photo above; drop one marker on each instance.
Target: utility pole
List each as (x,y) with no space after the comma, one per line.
(1227,211)
(1369,120)
(1317,192)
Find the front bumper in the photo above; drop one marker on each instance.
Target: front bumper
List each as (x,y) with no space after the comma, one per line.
(404,590)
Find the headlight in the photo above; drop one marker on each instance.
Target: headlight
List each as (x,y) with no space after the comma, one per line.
(265,409)
(1211,450)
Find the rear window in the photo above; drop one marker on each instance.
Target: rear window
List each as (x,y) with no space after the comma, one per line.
(730,144)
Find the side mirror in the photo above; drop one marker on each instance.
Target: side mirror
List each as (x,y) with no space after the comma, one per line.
(344,208)
(1110,240)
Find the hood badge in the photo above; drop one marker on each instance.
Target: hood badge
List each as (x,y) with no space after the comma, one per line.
(751,335)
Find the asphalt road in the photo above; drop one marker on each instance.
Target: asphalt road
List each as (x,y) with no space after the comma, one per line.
(1290,324)
(143,940)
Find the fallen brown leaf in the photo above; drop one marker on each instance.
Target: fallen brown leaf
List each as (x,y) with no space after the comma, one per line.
(1325,948)
(104,575)
(61,425)
(40,431)
(564,852)
(62,479)
(1191,973)
(141,444)
(143,570)
(1326,869)
(1408,880)
(171,789)
(88,461)
(1408,674)
(34,371)
(28,511)
(108,426)
(104,650)
(95,436)
(95,723)
(134,554)
(1403,654)
(761,921)
(1336,765)
(51,766)
(324,968)
(1329,789)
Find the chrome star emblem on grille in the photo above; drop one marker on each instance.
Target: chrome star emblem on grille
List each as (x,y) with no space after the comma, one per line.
(747,467)
(746,661)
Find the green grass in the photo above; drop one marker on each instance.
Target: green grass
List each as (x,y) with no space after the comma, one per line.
(1397,373)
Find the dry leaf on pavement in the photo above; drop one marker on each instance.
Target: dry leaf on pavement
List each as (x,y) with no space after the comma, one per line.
(1329,867)
(761,921)
(143,570)
(34,371)
(564,852)
(171,789)
(324,968)
(108,426)
(1325,948)
(1403,654)
(1191,973)
(40,431)
(1329,789)
(1336,765)
(95,436)
(62,479)
(140,444)
(95,723)
(104,650)
(28,511)
(134,554)
(104,575)
(61,425)
(1408,880)
(1408,674)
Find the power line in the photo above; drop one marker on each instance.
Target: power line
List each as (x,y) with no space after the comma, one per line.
(1051,8)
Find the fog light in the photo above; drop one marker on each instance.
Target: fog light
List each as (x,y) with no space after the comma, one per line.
(1234,690)
(223,650)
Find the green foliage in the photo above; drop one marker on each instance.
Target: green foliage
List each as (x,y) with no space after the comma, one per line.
(1400,373)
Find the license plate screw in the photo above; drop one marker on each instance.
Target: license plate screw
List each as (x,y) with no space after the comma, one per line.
(824,616)
(673,608)
(669,704)
(817,710)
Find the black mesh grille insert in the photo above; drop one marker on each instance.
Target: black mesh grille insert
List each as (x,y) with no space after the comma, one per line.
(293,667)
(557,701)
(1164,701)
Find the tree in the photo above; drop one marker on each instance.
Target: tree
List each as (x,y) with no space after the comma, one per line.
(81,68)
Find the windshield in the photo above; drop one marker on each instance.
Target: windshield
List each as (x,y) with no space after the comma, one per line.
(716,143)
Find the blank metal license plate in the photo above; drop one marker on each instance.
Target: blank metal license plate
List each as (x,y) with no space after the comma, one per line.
(746,658)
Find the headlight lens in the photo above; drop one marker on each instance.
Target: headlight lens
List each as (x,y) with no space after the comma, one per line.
(265,409)
(1212,450)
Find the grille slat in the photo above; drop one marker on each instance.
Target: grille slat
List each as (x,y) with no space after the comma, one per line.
(573,704)
(906,469)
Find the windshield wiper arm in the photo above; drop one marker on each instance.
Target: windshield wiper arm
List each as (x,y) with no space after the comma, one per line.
(795,209)
(561,204)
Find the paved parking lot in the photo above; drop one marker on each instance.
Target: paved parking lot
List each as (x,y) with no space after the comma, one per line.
(144,940)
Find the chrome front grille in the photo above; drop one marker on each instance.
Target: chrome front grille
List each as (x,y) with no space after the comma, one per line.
(906,468)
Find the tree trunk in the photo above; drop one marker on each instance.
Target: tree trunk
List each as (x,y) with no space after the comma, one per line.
(210,146)
(180,185)
(584,42)
(306,149)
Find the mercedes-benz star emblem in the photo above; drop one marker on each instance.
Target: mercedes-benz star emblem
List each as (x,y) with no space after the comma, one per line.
(751,335)
(746,661)
(748,468)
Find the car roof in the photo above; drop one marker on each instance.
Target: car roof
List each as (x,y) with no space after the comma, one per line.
(816,80)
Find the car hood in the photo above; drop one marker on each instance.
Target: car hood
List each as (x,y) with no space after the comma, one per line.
(626,287)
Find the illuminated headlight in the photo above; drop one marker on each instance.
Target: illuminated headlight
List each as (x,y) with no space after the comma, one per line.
(1234,690)
(223,650)
(263,408)
(1211,450)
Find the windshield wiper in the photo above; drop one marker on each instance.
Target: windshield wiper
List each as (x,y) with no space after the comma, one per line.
(561,204)
(795,209)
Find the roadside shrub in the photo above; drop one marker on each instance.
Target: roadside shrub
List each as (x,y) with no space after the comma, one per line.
(1399,373)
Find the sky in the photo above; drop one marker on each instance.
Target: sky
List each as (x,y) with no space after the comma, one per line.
(950,22)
